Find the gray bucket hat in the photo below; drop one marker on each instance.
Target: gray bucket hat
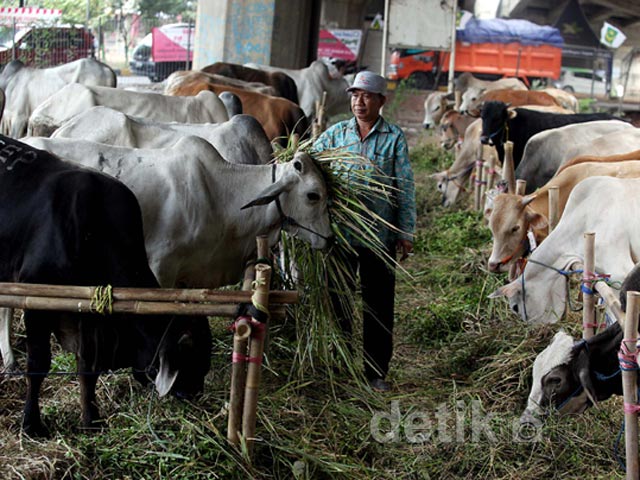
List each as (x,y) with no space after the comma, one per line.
(369,82)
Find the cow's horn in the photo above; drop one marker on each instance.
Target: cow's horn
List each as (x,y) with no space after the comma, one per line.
(165,378)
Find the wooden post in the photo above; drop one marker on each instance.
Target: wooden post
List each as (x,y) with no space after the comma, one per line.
(611,299)
(508,170)
(521,187)
(629,386)
(478,182)
(240,343)
(490,160)
(554,194)
(256,350)
(458,100)
(588,299)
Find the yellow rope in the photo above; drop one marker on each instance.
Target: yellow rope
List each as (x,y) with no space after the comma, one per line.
(102,300)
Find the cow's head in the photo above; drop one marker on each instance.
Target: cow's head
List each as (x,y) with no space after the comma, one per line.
(184,356)
(494,120)
(303,199)
(570,376)
(538,295)
(510,218)
(450,185)
(448,133)
(435,106)
(471,100)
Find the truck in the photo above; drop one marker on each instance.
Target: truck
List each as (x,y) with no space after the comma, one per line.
(489,49)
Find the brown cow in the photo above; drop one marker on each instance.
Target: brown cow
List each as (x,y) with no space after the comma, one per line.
(635,155)
(452,127)
(512,216)
(179,76)
(278,116)
(473,98)
(283,84)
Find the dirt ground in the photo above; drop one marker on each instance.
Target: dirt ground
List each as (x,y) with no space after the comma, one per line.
(409,114)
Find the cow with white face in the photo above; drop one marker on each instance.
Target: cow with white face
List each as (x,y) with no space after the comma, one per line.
(435,106)
(597,204)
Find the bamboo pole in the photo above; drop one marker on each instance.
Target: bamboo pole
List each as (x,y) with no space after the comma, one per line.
(256,349)
(508,169)
(458,100)
(490,159)
(521,187)
(554,194)
(611,299)
(477,203)
(83,305)
(588,299)
(629,386)
(144,294)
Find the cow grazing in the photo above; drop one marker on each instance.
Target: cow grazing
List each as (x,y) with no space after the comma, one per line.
(435,106)
(74,99)
(199,231)
(239,140)
(58,219)
(467,80)
(473,98)
(453,127)
(311,82)
(547,151)
(27,87)
(597,204)
(278,116)
(500,124)
(283,84)
(513,216)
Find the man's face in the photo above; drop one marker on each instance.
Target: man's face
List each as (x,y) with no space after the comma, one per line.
(366,105)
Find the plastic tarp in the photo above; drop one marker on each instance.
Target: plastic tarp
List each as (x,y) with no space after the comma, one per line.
(499,30)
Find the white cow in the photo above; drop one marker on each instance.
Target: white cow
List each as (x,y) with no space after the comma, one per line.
(435,106)
(74,99)
(603,205)
(546,151)
(311,82)
(467,80)
(27,87)
(198,229)
(239,140)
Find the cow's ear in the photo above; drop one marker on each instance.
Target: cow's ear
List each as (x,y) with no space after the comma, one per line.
(536,220)
(165,378)
(582,366)
(267,196)
(508,290)
(438,175)
(527,200)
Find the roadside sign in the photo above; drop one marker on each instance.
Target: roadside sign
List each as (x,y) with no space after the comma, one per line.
(170,43)
(342,44)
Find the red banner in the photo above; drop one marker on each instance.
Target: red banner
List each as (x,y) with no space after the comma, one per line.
(343,44)
(170,43)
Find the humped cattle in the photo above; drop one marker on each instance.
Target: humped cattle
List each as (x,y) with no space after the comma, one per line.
(232,103)
(435,106)
(571,375)
(179,76)
(67,225)
(564,99)
(512,217)
(201,214)
(239,140)
(501,124)
(473,98)
(621,143)
(278,116)
(634,155)
(311,82)
(27,87)
(547,151)
(597,204)
(282,83)
(74,99)
(467,80)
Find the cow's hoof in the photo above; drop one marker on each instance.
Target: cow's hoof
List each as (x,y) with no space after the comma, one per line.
(35,430)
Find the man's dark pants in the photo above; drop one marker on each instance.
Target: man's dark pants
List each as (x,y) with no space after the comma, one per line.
(377,282)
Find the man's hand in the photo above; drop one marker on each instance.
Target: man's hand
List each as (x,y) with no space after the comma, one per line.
(405,247)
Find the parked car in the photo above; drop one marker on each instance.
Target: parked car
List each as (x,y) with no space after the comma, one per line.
(47,46)
(143,63)
(580,81)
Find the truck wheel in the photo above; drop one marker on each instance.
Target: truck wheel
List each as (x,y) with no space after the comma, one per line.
(421,80)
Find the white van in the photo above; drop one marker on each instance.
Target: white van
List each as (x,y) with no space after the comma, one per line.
(580,81)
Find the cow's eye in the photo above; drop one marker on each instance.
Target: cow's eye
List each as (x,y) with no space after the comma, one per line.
(515,229)
(313,197)
(437,108)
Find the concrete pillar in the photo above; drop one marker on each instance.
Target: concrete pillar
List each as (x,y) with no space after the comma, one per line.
(281,33)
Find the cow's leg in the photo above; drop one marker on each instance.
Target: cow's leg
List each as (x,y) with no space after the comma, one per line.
(38,328)
(8,359)
(90,414)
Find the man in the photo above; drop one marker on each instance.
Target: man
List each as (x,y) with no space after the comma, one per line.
(384,144)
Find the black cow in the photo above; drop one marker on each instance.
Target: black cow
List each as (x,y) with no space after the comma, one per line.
(64,224)
(570,376)
(520,124)
(283,84)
